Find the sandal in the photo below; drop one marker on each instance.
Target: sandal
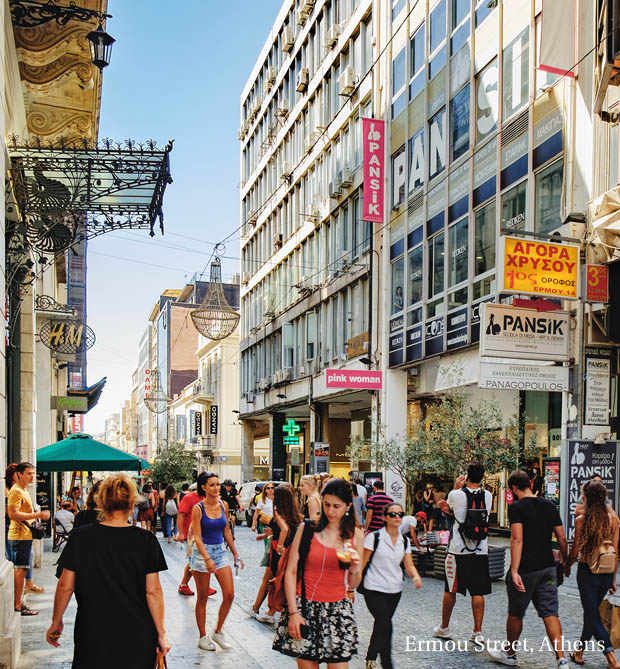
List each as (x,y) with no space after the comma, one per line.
(35,588)
(25,611)
(574,659)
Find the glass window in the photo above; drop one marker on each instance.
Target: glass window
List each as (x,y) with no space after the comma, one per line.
(437,64)
(460,9)
(399,105)
(288,345)
(417,86)
(457,298)
(437,146)
(513,207)
(436,308)
(459,123)
(484,239)
(438,24)
(516,64)
(435,265)
(483,287)
(457,261)
(416,257)
(416,160)
(414,317)
(397,8)
(484,9)
(487,99)
(549,197)
(417,51)
(311,334)
(398,71)
(459,38)
(398,270)
(399,177)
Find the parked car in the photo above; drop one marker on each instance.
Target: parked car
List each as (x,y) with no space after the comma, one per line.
(247,492)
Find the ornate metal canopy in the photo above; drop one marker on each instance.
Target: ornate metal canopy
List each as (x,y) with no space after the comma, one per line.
(215,318)
(156,401)
(30,13)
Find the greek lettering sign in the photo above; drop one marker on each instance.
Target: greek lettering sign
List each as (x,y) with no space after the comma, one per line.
(597,283)
(597,387)
(539,268)
(511,332)
(213,419)
(545,378)
(587,459)
(374,168)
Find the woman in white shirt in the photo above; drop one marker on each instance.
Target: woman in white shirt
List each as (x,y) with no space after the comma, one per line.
(382,580)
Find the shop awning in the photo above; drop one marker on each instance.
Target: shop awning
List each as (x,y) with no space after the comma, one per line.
(605,218)
(92,393)
(80,452)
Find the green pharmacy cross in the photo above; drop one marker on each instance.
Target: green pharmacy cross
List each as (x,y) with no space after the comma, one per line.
(292,428)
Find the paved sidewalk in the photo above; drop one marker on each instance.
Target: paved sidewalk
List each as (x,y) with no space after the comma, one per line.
(415,618)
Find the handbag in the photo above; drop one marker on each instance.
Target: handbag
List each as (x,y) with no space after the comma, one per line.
(160,661)
(36,528)
(603,560)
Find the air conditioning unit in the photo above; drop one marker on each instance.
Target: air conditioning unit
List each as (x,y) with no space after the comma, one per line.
(288,38)
(249,397)
(572,229)
(271,75)
(303,283)
(302,80)
(333,34)
(347,81)
(334,189)
(286,374)
(282,109)
(277,240)
(287,170)
(313,211)
(252,217)
(345,177)
(245,278)
(277,378)
(302,371)
(300,17)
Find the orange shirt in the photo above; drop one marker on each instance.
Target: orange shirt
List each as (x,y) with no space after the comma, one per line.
(325,581)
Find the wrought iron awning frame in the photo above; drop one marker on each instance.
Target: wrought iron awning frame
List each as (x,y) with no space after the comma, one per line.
(30,13)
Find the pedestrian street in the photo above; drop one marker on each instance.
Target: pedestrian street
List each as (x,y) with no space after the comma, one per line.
(415,618)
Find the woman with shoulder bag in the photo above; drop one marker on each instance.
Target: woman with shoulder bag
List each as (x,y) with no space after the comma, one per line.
(324,563)
(171,508)
(596,548)
(382,581)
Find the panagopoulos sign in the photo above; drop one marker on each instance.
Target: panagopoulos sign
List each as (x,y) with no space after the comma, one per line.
(539,268)
(374,169)
(502,376)
(511,332)
(346,378)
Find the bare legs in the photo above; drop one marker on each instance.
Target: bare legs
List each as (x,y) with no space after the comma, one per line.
(477,609)
(19,576)
(264,588)
(202,580)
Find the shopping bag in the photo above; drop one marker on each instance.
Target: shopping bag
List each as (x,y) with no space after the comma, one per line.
(610,617)
(160,661)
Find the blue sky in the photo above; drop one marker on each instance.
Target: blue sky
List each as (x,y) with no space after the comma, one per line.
(177,71)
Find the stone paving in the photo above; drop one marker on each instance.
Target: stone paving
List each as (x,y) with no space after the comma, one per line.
(415,618)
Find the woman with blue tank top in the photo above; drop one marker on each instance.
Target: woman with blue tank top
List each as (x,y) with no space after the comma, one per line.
(209,556)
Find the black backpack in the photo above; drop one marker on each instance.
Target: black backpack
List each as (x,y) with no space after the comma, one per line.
(475,527)
(360,588)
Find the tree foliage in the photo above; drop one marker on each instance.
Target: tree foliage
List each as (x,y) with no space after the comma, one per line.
(452,434)
(173,464)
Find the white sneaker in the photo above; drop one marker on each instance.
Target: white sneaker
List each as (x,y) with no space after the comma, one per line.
(478,639)
(205,643)
(442,633)
(220,640)
(266,618)
(562,662)
(254,614)
(502,657)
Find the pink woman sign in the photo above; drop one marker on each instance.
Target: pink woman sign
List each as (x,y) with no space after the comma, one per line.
(374,169)
(349,378)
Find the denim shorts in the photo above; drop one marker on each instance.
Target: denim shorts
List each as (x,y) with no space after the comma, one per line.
(217,552)
(20,552)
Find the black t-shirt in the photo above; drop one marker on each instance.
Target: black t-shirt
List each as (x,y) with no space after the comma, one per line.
(538,516)
(229,498)
(113,625)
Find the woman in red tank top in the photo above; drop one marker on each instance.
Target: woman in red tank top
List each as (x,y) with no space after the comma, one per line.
(318,624)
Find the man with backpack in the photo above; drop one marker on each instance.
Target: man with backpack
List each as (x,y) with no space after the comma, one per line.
(533,571)
(467,561)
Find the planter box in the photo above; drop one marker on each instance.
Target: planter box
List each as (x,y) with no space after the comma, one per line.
(497,562)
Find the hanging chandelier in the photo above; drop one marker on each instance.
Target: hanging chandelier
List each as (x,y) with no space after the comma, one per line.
(215,318)
(157,401)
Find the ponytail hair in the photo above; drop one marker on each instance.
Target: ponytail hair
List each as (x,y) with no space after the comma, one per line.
(116,493)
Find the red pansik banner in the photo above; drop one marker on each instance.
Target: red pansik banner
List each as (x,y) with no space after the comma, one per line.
(374,169)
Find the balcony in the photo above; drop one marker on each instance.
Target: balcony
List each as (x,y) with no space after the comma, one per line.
(202,444)
(204,391)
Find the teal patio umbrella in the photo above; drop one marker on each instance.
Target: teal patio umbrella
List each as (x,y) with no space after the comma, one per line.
(80,452)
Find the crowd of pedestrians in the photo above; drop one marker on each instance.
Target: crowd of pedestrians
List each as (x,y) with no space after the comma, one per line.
(321,548)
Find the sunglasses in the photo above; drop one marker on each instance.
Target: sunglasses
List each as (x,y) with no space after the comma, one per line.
(270,487)
(395,514)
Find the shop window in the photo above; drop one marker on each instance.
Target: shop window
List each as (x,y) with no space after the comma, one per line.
(398,281)
(459,123)
(437,134)
(435,308)
(416,269)
(438,24)
(487,99)
(549,197)
(457,260)
(514,204)
(484,239)
(436,252)
(458,298)
(516,72)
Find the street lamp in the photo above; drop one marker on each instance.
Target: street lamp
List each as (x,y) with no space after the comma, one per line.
(100,46)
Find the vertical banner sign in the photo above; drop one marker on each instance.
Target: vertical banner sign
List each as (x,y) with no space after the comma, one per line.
(213,419)
(198,431)
(374,169)
(585,460)
(597,386)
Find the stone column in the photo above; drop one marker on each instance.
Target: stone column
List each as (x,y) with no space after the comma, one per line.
(247,450)
(278,449)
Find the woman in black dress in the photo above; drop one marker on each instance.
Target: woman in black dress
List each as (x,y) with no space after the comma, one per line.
(113,568)
(89,515)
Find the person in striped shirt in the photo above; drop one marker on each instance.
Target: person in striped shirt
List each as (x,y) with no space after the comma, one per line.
(376,505)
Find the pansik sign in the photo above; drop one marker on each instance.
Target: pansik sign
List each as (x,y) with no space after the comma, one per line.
(510,332)
(587,459)
(539,268)
(597,387)
(374,169)
(546,378)
(346,378)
